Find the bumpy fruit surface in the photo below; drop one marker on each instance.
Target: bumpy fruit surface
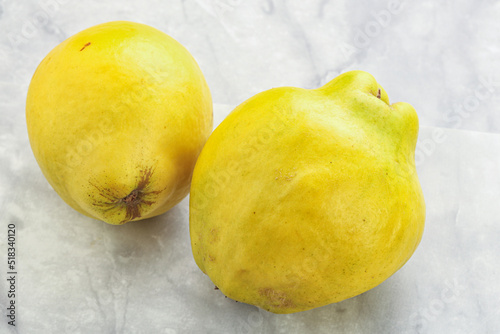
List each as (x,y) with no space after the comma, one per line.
(302,198)
(117,116)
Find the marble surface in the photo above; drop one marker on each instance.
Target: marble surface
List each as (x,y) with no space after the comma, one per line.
(78,275)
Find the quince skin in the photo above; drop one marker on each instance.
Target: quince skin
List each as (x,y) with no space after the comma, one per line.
(302,198)
(117,116)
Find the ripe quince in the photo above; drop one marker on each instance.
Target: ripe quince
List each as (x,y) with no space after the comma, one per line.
(117,116)
(306,197)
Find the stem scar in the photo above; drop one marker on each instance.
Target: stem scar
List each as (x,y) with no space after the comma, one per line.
(134,203)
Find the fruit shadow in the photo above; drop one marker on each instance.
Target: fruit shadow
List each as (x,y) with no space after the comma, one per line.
(375,311)
(146,242)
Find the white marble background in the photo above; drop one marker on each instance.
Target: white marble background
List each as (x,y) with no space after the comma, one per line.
(77,275)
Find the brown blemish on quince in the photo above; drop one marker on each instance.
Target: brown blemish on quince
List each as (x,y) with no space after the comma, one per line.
(85,46)
(276,298)
(214,237)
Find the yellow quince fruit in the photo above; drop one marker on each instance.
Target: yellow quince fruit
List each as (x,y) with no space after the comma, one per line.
(117,116)
(302,198)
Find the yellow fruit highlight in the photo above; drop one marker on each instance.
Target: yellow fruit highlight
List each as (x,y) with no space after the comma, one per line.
(117,116)
(302,198)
